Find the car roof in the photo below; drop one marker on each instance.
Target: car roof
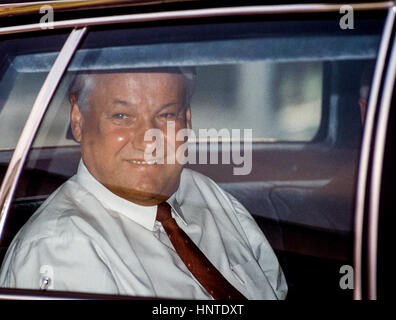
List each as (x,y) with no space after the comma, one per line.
(29,12)
(30,7)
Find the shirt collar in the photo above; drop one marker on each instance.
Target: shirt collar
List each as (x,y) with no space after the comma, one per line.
(175,205)
(143,215)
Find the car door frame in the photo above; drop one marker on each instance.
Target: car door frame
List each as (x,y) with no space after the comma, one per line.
(80,26)
(368,196)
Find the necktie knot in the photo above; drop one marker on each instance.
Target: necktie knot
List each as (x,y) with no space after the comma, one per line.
(163,212)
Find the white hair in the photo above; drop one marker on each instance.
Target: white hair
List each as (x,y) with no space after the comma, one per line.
(83,83)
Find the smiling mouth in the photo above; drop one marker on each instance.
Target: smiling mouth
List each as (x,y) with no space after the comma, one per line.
(150,162)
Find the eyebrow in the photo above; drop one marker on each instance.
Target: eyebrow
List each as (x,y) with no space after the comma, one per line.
(130,105)
(123,103)
(168,105)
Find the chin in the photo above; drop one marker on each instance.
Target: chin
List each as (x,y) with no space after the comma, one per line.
(146,198)
(144,194)
(145,190)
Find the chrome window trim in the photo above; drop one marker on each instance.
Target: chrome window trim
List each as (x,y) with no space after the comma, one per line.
(32,297)
(199,13)
(39,107)
(23,8)
(376,177)
(365,152)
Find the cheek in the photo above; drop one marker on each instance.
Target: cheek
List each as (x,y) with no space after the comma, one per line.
(118,138)
(173,148)
(111,140)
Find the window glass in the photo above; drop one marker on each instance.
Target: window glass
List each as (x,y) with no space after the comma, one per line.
(276,113)
(278,101)
(17,107)
(21,79)
(258,95)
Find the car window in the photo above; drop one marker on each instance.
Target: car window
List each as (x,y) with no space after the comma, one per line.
(244,97)
(20,82)
(276,122)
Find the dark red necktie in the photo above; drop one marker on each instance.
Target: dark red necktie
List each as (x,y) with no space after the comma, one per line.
(201,268)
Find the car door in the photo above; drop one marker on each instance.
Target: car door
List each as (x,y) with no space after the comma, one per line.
(376,176)
(284,82)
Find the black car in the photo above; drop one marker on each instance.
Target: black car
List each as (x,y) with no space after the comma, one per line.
(302,91)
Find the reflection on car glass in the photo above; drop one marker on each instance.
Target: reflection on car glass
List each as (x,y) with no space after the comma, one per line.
(248,134)
(104,220)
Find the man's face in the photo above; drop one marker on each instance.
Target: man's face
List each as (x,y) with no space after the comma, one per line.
(121,108)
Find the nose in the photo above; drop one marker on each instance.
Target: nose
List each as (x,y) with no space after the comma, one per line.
(138,134)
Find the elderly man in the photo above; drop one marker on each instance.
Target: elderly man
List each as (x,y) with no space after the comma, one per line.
(125,225)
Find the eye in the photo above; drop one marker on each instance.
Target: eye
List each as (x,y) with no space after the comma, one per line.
(119,116)
(168,115)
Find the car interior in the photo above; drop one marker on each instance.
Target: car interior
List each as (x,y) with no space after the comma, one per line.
(301,191)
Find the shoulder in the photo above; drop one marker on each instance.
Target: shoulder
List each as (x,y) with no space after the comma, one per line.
(197,187)
(200,185)
(59,233)
(191,176)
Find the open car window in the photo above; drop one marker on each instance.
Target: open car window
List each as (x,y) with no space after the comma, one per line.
(276,122)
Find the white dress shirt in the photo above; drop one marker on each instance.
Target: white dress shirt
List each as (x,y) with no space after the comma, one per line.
(84,238)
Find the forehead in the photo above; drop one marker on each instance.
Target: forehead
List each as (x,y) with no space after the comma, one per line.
(149,89)
(140,80)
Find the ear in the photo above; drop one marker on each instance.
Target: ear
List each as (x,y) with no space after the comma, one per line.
(188,118)
(76,119)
